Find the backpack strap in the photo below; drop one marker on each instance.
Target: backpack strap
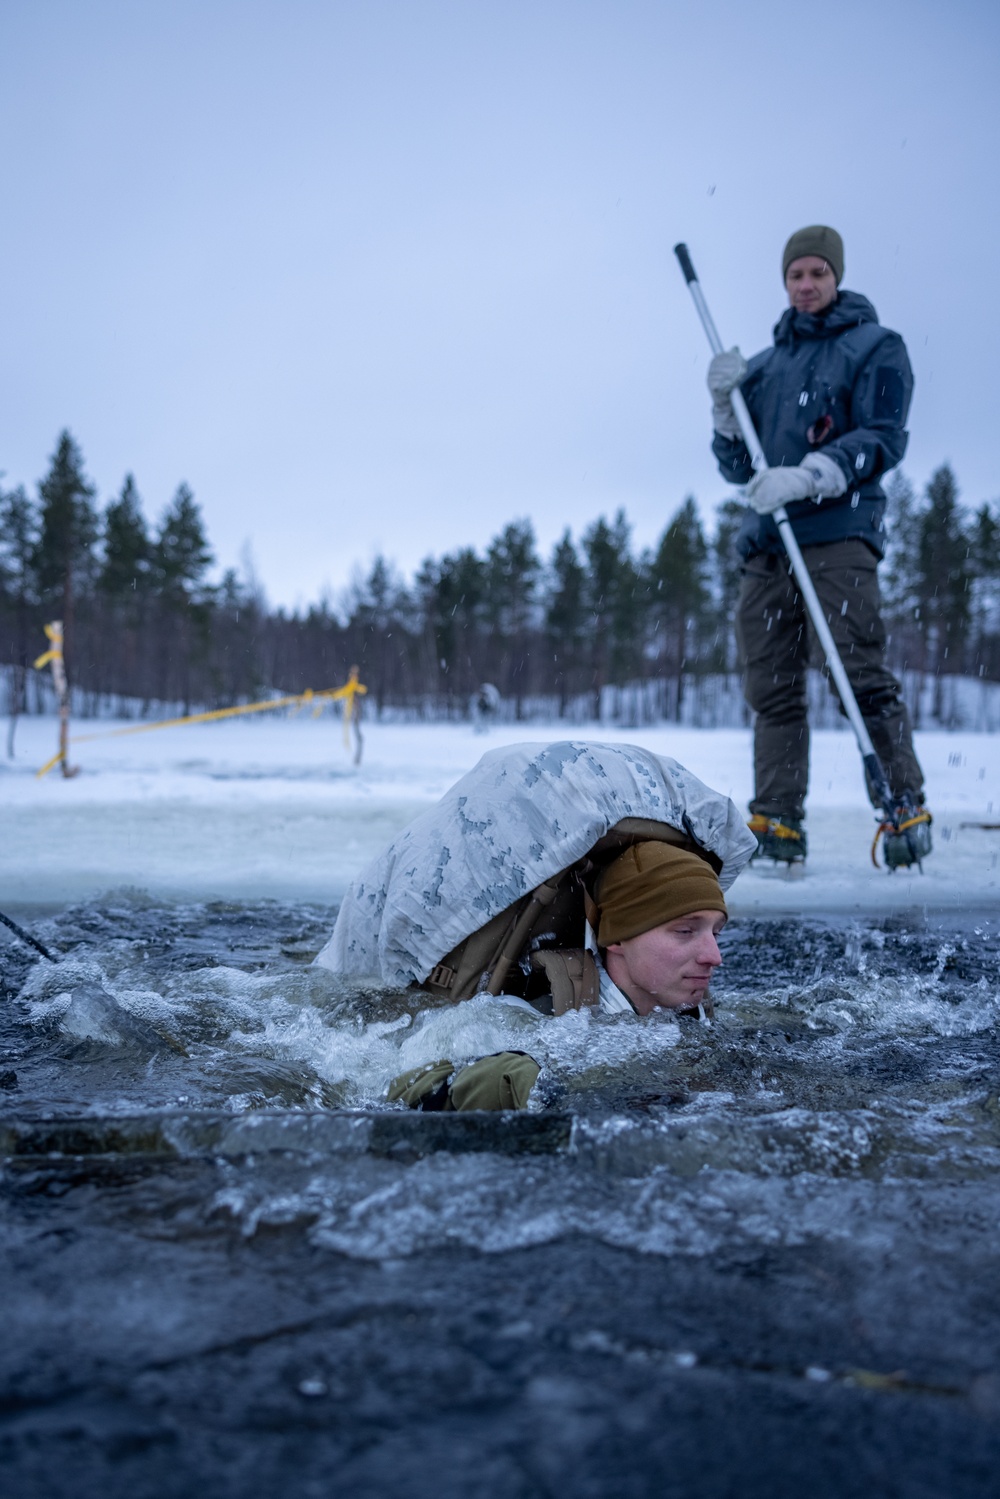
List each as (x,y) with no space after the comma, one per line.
(519,932)
(573,978)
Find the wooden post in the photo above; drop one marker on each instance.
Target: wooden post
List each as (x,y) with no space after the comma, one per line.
(54,657)
(351,693)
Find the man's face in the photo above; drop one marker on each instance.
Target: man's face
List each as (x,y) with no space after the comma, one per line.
(668,967)
(810,283)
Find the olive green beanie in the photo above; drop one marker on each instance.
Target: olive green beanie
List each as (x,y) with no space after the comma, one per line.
(651,883)
(817,239)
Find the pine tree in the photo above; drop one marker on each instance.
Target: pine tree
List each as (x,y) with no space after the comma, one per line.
(181,555)
(126,563)
(18,543)
(899,574)
(452,595)
(180,559)
(123,587)
(614,604)
(511,578)
(727,570)
(378,607)
(512,569)
(438,629)
(985,590)
(67,532)
(565,615)
(943,574)
(630,607)
(680,577)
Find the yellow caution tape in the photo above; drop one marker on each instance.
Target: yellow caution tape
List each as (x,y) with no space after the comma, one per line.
(307,697)
(299,699)
(49,765)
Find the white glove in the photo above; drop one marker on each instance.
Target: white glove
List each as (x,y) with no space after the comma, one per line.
(828,474)
(725,372)
(816,478)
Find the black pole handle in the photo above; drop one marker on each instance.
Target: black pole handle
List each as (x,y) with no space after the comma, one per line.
(27,937)
(681,251)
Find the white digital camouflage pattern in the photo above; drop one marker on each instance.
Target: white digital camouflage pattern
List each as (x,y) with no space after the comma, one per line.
(521,815)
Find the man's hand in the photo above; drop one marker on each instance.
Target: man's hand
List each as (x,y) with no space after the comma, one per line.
(725,372)
(775,487)
(815,478)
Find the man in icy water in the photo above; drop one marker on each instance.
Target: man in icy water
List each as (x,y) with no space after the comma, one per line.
(659,912)
(565,876)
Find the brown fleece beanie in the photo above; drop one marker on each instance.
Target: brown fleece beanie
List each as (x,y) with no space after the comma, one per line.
(651,883)
(817,239)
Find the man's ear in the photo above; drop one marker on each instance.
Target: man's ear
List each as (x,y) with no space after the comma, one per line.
(614,947)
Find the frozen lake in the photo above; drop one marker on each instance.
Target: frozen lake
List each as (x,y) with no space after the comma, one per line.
(756,1256)
(244,810)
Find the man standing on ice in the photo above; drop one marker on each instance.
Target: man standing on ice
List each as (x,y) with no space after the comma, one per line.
(829,401)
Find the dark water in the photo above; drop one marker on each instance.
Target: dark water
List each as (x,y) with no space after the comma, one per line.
(756,1257)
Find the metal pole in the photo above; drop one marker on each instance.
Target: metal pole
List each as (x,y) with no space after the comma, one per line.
(874,769)
(26,937)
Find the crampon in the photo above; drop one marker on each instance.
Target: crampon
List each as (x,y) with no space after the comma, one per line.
(782,839)
(906,836)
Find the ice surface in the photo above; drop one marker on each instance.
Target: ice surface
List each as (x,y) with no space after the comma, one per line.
(252,809)
(829,1145)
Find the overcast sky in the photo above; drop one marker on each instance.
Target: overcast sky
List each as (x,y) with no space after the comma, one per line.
(385,274)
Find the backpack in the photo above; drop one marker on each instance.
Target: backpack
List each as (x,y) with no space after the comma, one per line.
(481,889)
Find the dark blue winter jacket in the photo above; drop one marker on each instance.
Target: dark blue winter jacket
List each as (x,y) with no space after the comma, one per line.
(836,383)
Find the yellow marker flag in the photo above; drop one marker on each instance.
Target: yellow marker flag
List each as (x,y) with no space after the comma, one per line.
(53,632)
(351,689)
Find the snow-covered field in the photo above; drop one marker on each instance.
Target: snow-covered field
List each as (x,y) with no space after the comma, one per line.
(250,809)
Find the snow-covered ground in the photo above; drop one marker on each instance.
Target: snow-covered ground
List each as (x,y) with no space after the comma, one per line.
(254,808)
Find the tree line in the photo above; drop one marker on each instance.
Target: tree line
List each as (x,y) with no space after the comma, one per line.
(144,624)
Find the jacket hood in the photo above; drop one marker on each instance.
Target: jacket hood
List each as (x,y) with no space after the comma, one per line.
(849,309)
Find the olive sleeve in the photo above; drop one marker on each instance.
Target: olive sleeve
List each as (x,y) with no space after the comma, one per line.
(503,1081)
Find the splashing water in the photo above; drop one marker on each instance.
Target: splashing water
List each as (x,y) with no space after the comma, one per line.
(837,1056)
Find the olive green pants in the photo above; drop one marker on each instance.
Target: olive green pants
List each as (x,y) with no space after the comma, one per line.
(776,638)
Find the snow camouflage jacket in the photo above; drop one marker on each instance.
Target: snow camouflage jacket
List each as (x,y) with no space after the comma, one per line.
(522,815)
(840,384)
